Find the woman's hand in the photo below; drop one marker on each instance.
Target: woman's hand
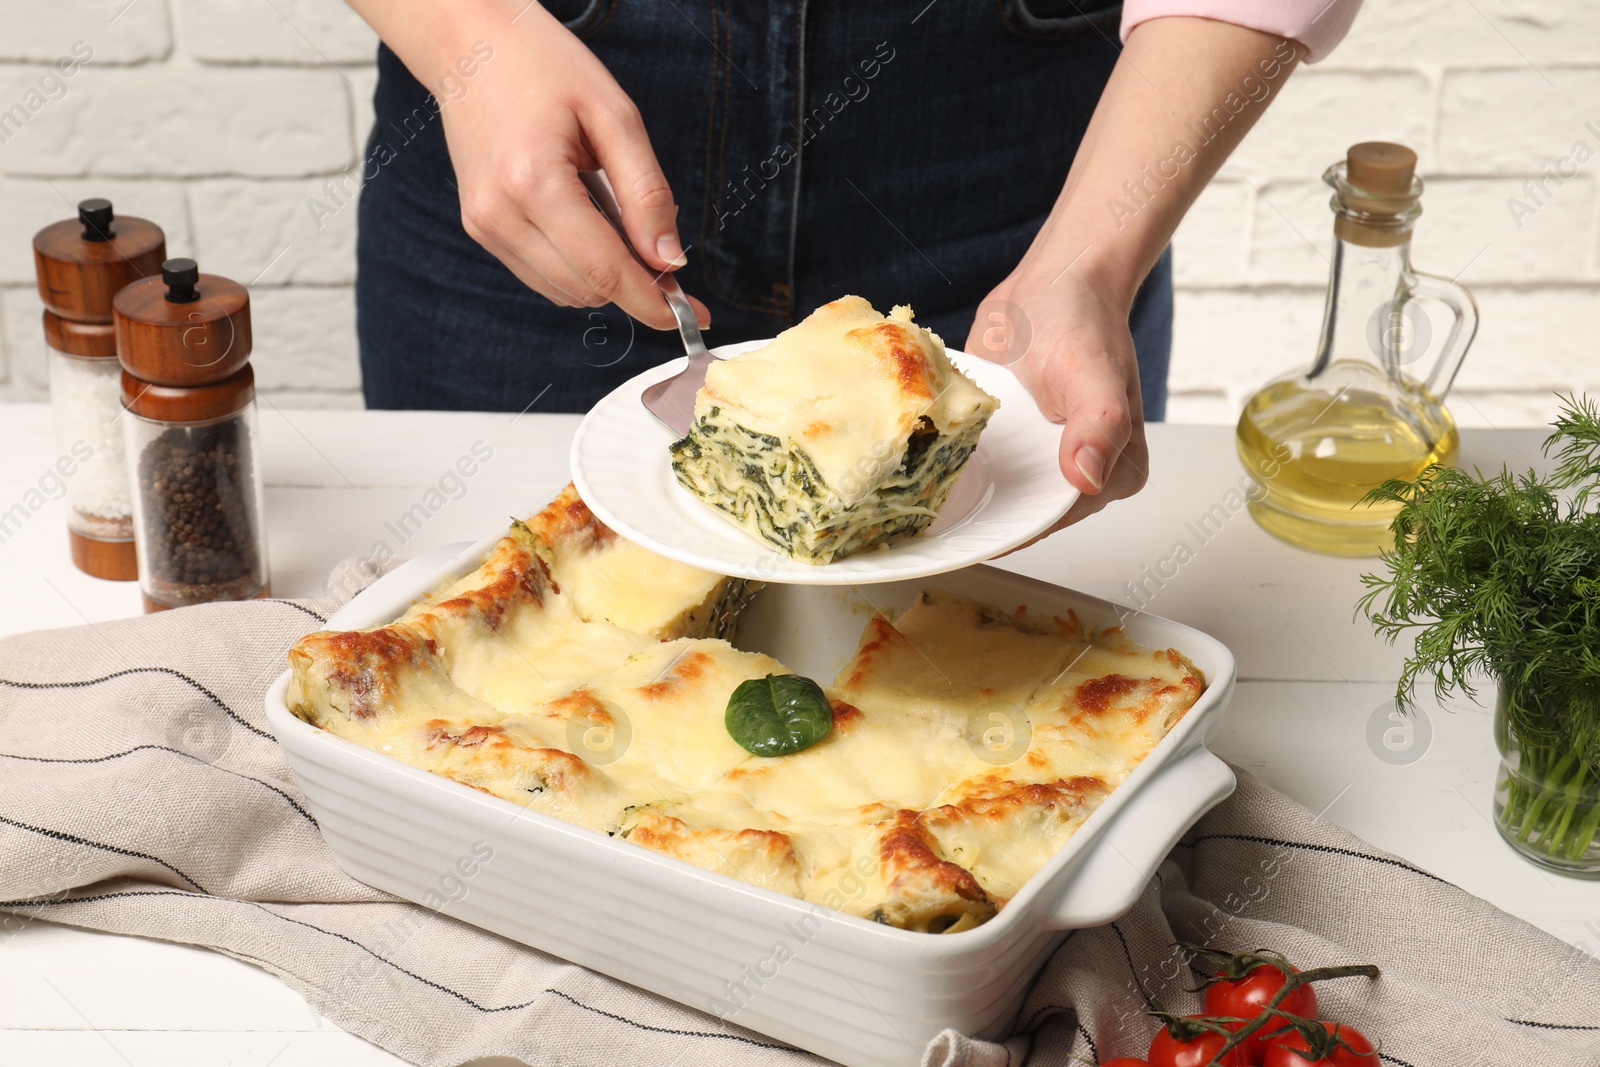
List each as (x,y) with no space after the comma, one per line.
(536,112)
(1183,93)
(1067,341)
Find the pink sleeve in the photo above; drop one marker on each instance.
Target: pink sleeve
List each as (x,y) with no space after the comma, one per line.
(1317,24)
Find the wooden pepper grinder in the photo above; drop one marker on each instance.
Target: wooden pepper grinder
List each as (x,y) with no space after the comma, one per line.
(183,339)
(80,265)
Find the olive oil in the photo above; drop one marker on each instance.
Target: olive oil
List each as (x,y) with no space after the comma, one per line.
(1318,443)
(1315,457)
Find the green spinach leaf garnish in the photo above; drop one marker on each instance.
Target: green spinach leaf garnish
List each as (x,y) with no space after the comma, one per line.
(778,714)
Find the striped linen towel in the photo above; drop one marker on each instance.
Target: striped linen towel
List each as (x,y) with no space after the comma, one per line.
(142,793)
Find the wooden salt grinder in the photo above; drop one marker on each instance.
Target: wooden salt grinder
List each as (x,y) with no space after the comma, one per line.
(80,265)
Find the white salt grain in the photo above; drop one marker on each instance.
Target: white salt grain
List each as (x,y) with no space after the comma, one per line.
(86,397)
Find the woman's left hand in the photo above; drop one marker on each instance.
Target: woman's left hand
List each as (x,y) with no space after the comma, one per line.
(1067,341)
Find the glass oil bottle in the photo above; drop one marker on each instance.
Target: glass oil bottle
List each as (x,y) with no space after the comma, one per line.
(1364,413)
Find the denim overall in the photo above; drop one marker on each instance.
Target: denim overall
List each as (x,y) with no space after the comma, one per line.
(907,153)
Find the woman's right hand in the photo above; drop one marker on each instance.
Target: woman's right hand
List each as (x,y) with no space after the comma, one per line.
(539,109)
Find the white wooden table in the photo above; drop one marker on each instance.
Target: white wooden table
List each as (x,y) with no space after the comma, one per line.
(1311,676)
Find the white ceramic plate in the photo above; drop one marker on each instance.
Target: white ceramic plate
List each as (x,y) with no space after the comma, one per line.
(1010,491)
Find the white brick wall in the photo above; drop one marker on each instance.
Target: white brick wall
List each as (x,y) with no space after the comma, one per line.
(218,118)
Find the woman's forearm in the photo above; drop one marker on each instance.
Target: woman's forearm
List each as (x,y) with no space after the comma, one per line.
(432,37)
(1182,96)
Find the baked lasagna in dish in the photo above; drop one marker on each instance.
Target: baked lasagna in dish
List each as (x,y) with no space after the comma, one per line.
(846,432)
(581,676)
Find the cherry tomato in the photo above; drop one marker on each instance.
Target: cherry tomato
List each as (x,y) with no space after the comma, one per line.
(1245,997)
(1283,1050)
(1124,1061)
(1168,1051)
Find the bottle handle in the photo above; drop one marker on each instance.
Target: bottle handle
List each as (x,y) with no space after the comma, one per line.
(1458,298)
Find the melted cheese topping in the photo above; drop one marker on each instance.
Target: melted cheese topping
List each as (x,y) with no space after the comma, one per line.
(847,385)
(610,579)
(967,746)
(846,432)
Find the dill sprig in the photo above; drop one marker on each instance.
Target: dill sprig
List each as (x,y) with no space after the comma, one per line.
(1501,575)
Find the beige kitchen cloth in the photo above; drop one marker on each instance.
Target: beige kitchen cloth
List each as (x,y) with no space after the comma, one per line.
(142,793)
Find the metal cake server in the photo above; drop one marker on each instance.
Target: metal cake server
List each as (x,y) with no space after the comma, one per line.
(672,400)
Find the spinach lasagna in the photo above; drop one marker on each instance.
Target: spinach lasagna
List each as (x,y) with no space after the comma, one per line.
(578,675)
(846,432)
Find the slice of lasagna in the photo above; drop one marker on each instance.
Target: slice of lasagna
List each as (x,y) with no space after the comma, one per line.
(845,433)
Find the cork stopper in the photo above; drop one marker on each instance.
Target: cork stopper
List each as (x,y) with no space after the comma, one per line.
(80,265)
(1376,194)
(1381,168)
(182,328)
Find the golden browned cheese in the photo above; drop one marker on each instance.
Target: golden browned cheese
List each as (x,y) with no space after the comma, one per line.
(611,579)
(569,675)
(846,384)
(845,432)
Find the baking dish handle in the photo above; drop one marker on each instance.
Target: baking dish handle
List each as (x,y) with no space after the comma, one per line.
(1128,849)
(391,594)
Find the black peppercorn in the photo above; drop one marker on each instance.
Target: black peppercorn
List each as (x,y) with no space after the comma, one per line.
(199,517)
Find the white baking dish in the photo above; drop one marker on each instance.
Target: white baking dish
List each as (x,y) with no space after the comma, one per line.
(861,993)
